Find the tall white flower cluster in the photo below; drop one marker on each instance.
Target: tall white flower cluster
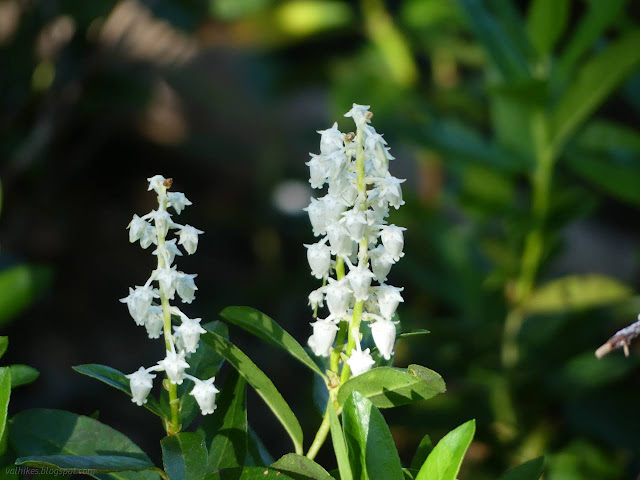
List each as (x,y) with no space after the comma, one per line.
(150,306)
(350,220)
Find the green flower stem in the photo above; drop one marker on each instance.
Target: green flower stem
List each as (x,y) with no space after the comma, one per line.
(173,426)
(321,435)
(339,268)
(334,362)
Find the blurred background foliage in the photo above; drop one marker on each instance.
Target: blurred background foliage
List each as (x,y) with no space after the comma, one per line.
(514,123)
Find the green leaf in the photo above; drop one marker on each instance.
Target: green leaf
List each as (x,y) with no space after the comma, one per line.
(98,463)
(339,444)
(261,383)
(503,53)
(117,380)
(576,292)
(43,432)
(413,333)
(301,468)
(5,394)
(257,454)
(248,473)
(20,286)
(531,470)
(422,452)
(390,387)
(443,463)
(409,473)
(184,456)
(260,325)
(225,431)
(22,375)
(603,136)
(372,453)
(595,81)
(547,20)
(4,344)
(599,16)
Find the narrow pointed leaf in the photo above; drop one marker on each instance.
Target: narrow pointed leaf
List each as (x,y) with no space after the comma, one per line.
(184,456)
(117,380)
(5,395)
(547,21)
(4,344)
(262,326)
(97,463)
(422,452)
(248,473)
(372,453)
(339,444)
(225,431)
(390,387)
(301,468)
(444,461)
(261,384)
(531,470)
(22,375)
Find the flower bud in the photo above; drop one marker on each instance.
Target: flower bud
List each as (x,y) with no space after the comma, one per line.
(324,333)
(360,281)
(174,365)
(360,362)
(384,335)
(157,183)
(189,238)
(388,299)
(393,240)
(318,171)
(140,383)
(319,257)
(316,299)
(316,211)
(205,394)
(338,296)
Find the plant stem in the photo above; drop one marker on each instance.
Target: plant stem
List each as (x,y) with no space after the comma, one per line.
(321,435)
(173,426)
(334,362)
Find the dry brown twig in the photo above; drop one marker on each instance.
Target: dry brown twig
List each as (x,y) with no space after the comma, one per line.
(621,339)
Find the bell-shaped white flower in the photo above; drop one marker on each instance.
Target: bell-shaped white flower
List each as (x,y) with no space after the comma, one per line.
(162,220)
(174,365)
(137,228)
(148,237)
(343,186)
(316,211)
(384,335)
(168,278)
(319,257)
(190,331)
(157,183)
(318,171)
(390,190)
(388,299)
(360,280)
(333,208)
(338,296)
(355,221)
(324,333)
(393,240)
(331,140)
(381,263)
(138,302)
(360,114)
(205,392)
(339,240)
(178,201)
(141,383)
(186,287)
(360,362)
(154,322)
(189,238)
(316,299)
(169,251)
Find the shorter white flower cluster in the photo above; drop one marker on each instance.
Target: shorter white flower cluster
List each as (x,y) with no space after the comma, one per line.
(351,219)
(153,228)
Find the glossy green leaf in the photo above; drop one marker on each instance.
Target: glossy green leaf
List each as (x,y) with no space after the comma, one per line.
(576,292)
(5,395)
(444,461)
(422,452)
(594,82)
(43,432)
(503,53)
(604,136)
(372,453)
(409,473)
(225,431)
(261,383)
(22,375)
(248,473)
(117,380)
(301,468)
(265,328)
(4,344)
(97,463)
(184,456)
(390,387)
(20,286)
(531,470)
(547,20)
(598,17)
(339,444)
